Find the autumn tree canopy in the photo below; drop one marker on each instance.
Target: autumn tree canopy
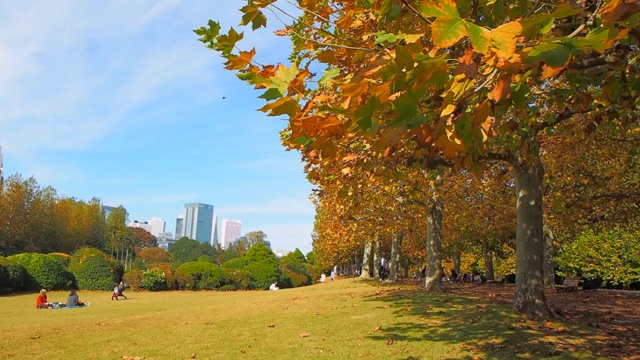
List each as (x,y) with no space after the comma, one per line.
(444,81)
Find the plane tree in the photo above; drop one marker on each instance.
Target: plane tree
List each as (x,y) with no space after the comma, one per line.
(464,81)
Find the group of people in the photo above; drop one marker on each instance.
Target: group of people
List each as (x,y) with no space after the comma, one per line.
(73,300)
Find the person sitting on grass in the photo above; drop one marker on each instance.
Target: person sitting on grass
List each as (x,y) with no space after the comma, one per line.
(74,300)
(42,302)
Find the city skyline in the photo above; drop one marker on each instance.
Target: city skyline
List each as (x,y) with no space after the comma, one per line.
(121,102)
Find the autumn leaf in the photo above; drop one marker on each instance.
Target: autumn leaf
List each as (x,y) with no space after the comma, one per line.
(283,32)
(549,72)
(501,89)
(504,38)
(302,335)
(378,328)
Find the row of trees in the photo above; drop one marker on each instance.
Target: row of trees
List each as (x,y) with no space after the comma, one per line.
(415,98)
(37,219)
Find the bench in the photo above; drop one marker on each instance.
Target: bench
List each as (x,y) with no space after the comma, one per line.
(569,284)
(498,280)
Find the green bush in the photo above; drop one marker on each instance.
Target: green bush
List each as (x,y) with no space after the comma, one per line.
(65,259)
(44,272)
(263,274)
(299,280)
(154,280)
(200,275)
(227,288)
(95,270)
(134,279)
(612,254)
(12,275)
(239,278)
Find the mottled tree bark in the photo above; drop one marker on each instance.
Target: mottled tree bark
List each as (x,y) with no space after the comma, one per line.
(367,259)
(529,296)
(396,250)
(549,275)
(433,277)
(488,260)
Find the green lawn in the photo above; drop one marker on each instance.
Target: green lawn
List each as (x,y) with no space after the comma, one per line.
(345,319)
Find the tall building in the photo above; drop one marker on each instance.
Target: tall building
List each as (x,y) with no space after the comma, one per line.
(214,232)
(179,227)
(107,210)
(142,225)
(198,222)
(157,226)
(230,232)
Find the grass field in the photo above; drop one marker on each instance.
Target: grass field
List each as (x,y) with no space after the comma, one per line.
(345,319)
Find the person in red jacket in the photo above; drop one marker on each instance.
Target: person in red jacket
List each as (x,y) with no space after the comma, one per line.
(41,301)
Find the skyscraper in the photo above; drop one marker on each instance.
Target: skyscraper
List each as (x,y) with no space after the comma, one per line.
(198,222)
(214,232)
(230,232)
(179,227)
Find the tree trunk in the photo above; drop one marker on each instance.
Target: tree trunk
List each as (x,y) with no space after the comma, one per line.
(376,256)
(366,261)
(529,296)
(457,262)
(488,260)
(549,276)
(396,249)
(433,276)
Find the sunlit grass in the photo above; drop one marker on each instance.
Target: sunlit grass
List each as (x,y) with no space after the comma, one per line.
(345,319)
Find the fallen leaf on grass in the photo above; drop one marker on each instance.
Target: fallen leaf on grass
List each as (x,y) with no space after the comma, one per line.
(389,341)
(378,328)
(125,357)
(271,325)
(304,335)
(193,356)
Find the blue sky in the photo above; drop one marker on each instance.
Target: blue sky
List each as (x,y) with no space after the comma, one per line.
(119,100)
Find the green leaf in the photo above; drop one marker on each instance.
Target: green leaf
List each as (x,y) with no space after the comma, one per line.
(565,10)
(271,94)
(554,54)
(438,8)
(385,37)
(480,37)
(447,31)
(328,76)
(208,34)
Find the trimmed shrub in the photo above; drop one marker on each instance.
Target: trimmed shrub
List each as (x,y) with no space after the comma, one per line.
(65,259)
(134,279)
(44,272)
(154,279)
(239,278)
(168,272)
(299,279)
(12,275)
(263,274)
(200,275)
(227,288)
(95,270)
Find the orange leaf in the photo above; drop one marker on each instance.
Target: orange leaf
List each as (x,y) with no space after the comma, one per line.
(504,38)
(549,72)
(283,32)
(304,335)
(502,89)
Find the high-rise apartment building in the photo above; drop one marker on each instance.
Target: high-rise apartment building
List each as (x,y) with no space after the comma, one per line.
(230,232)
(198,222)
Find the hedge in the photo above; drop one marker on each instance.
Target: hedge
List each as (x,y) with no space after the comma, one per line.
(200,275)
(95,270)
(43,272)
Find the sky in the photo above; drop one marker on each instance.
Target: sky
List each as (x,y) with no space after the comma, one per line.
(119,100)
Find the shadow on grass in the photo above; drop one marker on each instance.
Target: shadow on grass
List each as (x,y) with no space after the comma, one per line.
(483,330)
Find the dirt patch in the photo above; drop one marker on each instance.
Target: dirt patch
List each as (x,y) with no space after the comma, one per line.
(615,315)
